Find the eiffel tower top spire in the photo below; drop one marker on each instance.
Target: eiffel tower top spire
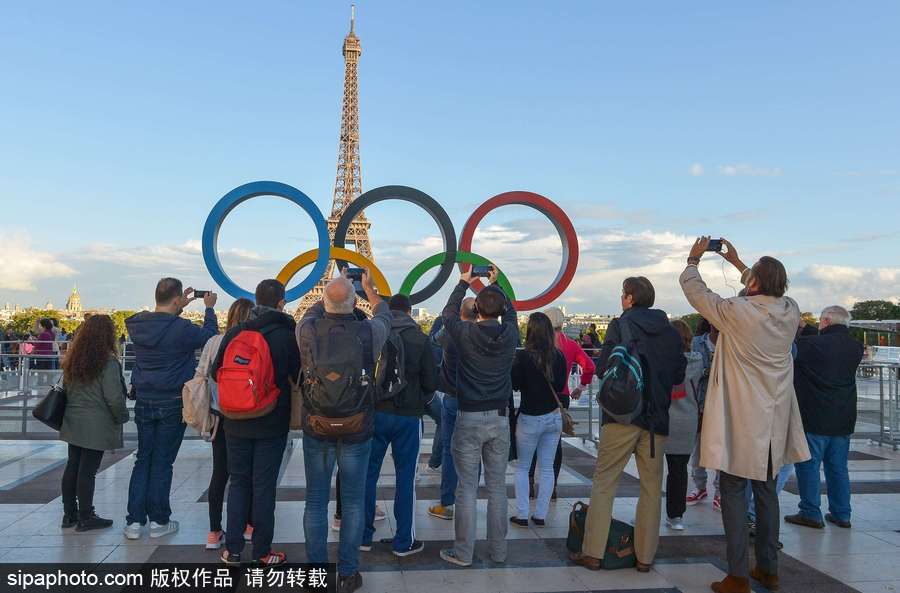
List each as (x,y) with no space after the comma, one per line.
(348,179)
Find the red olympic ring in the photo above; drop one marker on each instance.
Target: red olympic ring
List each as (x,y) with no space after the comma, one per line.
(563,226)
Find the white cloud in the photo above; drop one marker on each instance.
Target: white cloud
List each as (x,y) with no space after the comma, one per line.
(696,169)
(23,265)
(749,170)
(818,286)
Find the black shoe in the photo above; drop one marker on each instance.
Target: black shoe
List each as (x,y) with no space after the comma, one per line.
(751,527)
(92,522)
(799,519)
(69,520)
(519,522)
(415,548)
(230,559)
(538,522)
(349,584)
(839,522)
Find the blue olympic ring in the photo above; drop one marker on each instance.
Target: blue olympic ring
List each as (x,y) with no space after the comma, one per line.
(246,192)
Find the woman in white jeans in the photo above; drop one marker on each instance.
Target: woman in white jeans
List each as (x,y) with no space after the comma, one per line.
(539,374)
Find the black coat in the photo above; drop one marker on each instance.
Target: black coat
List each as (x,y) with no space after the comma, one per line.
(285,361)
(825,381)
(662,362)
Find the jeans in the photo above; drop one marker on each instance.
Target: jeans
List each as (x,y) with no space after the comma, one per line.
(832,451)
(480,436)
(676,485)
(449,478)
(218,481)
(78,480)
(536,436)
(319,458)
(253,467)
(435,411)
(404,435)
(160,431)
(780,480)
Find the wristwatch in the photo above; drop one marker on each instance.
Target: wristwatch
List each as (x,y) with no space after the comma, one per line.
(693,261)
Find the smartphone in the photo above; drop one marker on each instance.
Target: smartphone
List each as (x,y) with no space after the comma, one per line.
(481,271)
(355,275)
(714,245)
(199,294)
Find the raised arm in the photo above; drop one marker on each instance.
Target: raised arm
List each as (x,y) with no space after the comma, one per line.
(450,315)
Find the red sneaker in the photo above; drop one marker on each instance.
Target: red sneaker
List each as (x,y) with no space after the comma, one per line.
(272,559)
(695,497)
(717,503)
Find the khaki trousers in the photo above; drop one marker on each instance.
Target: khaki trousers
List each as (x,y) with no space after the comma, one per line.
(617,443)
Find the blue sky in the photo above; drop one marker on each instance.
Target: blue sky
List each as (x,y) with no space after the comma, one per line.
(774,124)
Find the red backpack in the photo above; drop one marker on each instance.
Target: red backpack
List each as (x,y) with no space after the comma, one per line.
(246,379)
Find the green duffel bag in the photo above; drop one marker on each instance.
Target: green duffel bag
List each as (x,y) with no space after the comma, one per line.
(619,551)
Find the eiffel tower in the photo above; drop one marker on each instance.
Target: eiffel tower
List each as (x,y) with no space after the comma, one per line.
(348,181)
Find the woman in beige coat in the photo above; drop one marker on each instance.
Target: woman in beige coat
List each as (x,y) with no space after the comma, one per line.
(751,421)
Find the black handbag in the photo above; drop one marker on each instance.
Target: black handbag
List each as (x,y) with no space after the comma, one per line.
(51,409)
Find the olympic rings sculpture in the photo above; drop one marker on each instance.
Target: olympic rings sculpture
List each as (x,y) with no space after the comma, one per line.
(452,255)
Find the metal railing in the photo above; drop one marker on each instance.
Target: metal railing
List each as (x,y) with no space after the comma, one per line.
(22,386)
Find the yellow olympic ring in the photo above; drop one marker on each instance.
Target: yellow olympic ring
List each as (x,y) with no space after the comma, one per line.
(304,259)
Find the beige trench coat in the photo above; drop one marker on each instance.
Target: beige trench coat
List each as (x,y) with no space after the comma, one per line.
(750,401)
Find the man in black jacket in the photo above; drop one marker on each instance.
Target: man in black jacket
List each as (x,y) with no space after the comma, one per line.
(398,423)
(663,363)
(256,445)
(825,382)
(486,349)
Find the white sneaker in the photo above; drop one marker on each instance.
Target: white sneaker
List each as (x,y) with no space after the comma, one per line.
(133,531)
(432,471)
(676,524)
(157,530)
(379,513)
(335,524)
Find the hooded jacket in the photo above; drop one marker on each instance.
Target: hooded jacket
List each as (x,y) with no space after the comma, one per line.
(286,364)
(165,352)
(825,381)
(662,362)
(421,371)
(486,352)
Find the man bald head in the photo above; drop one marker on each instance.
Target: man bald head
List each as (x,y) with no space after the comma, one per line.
(467,309)
(340,297)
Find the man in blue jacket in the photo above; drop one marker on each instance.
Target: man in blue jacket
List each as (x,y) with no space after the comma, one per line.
(165,348)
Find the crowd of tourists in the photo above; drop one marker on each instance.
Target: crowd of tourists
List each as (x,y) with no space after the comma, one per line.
(731,407)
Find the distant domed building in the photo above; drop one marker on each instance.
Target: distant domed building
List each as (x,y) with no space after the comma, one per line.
(48,306)
(73,303)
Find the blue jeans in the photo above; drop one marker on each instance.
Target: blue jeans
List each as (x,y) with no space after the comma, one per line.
(832,451)
(160,431)
(435,411)
(404,435)
(780,480)
(319,458)
(448,471)
(541,434)
(253,473)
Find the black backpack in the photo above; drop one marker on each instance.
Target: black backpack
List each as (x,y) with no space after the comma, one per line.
(390,370)
(621,391)
(337,382)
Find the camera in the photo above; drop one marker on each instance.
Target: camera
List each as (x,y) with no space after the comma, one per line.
(199,294)
(355,275)
(714,245)
(481,271)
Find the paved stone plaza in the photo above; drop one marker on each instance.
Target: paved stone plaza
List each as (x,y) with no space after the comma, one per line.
(865,558)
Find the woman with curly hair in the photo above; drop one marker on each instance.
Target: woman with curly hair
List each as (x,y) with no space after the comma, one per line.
(95,413)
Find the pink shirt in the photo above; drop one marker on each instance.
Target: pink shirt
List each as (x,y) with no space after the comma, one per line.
(574,354)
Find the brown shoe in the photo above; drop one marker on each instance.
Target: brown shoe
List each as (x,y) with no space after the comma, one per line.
(769,581)
(589,562)
(641,567)
(839,522)
(732,584)
(799,519)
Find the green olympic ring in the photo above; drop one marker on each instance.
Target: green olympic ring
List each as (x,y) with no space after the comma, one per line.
(462,257)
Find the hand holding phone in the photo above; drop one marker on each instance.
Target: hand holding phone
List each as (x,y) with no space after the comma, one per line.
(481,271)
(714,245)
